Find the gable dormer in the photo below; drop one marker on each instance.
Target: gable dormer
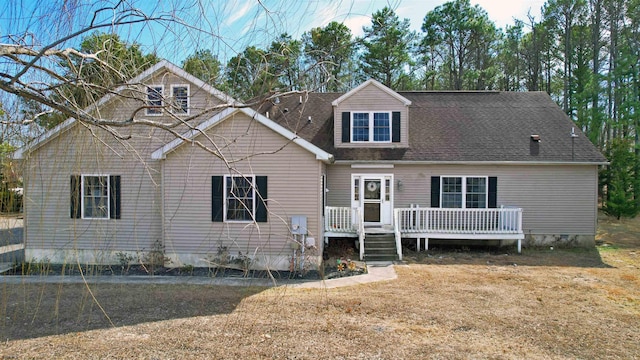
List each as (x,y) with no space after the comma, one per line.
(371,115)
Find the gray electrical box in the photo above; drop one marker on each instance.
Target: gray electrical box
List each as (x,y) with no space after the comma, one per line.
(299,225)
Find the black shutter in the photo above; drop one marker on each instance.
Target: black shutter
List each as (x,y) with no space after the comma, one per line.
(493,192)
(261,205)
(435,191)
(114,196)
(395,126)
(76,211)
(217,191)
(346,127)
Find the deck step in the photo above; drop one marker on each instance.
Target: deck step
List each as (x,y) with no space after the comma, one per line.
(380,247)
(381,257)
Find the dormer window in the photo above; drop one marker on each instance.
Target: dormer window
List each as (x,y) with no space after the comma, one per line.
(371,127)
(154,99)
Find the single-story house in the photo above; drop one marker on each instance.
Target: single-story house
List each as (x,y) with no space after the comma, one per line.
(275,182)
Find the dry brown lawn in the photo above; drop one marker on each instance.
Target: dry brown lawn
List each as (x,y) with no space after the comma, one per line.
(544,304)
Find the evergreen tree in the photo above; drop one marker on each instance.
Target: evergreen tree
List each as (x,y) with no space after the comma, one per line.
(622,179)
(329,52)
(465,40)
(387,45)
(203,65)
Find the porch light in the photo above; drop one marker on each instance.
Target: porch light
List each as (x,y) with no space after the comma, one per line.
(399,184)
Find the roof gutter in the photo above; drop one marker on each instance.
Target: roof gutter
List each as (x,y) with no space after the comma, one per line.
(417,162)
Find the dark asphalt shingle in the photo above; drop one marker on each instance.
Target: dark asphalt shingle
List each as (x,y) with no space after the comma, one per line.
(451,127)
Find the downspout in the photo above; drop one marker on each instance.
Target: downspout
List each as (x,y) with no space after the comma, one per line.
(162,224)
(25,222)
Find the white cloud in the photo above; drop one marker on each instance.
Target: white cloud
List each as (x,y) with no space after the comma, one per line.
(504,12)
(355,23)
(237,14)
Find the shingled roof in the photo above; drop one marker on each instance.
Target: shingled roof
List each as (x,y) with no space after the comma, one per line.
(451,127)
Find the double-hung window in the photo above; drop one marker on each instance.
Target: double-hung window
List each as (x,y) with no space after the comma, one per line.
(371,127)
(240,198)
(464,192)
(95,196)
(180,97)
(155,99)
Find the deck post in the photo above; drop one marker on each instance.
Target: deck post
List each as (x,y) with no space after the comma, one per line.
(361,234)
(396,232)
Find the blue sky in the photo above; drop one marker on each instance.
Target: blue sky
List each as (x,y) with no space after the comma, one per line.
(228,26)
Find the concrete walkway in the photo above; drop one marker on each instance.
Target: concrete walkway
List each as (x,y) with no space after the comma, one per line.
(375,272)
(382,271)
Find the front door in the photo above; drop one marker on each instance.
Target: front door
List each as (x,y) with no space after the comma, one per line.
(373,195)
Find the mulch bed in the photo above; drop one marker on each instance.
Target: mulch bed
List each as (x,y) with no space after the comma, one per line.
(144,270)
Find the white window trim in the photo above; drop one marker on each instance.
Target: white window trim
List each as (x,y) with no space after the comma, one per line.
(146,100)
(224,199)
(173,86)
(464,189)
(108,217)
(371,123)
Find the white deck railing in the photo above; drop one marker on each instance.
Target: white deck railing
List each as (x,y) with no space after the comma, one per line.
(459,221)
(501,223)
(341,219)
(344,221)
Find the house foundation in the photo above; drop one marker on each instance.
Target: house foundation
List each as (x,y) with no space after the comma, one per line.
(559,240)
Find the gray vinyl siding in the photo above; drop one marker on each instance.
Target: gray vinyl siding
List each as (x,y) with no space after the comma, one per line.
(293,177)
(80,150)
(371,98)
(556,199)
(47,188)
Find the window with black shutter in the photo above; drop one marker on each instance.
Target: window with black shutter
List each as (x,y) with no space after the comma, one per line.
(239,198)
(468,192)
(95,197)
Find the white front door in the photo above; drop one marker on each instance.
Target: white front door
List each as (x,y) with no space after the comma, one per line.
(373,195)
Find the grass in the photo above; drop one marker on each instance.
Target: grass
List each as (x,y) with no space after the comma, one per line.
(445,304)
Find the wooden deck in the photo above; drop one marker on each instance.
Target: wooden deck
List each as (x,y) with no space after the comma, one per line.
(430,223)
